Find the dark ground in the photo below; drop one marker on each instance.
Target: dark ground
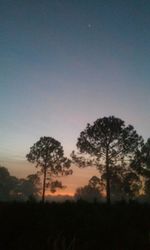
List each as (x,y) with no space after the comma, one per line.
(74,226)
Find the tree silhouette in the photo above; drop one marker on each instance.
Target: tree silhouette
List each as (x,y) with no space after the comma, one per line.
(125,183)
(141,161)
(141,164)
(8,184)
(29,187)
(48,155)
(109,143)
(12,188)
(95,182)
(88,193)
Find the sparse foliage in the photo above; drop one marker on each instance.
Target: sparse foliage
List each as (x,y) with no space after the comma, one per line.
(56,184)
(48,155)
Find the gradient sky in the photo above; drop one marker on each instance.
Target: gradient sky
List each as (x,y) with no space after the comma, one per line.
(65,63)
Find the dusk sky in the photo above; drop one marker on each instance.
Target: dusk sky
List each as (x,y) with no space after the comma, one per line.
(65,63)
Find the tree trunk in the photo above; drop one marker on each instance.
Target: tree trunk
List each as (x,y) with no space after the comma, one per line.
(44,183)
(107,179)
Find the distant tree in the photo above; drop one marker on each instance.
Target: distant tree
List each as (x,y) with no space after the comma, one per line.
(132,185)
(56,184)
(125,183)
(8,184)
(48,155)
(96,183)
(88,193)
(141,164)
(110,144)
(12,188)
(28,187)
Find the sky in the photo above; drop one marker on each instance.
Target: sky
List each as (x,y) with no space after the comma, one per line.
(65,63)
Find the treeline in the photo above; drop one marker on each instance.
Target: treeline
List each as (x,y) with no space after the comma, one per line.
(23,189)
(115,149)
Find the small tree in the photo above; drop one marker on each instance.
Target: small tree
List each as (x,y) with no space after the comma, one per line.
(88,193)
(8,184)
(28,187)
(48,155)
(110,144)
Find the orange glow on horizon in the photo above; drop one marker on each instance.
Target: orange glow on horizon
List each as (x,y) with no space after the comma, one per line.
(60,192)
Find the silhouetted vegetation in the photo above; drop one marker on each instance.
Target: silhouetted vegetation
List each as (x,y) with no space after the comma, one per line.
(111,146)
(86,222)
(141,164)
(91,192)
(88,193)
(48,154)
(12,188)
(74,226)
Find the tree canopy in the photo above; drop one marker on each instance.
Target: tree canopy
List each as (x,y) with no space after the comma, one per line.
(48,155)
(110,144)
